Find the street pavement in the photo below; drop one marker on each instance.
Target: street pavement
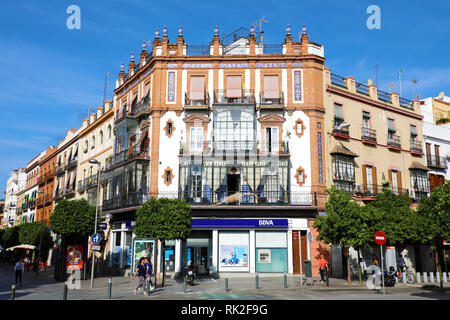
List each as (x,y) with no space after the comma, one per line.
(240,287)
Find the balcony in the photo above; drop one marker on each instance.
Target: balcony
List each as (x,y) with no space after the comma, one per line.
(393,142)
(91,181)
(369,191)
(437,162)
(416,147)
(71,164)
(196,100)
(59,194)
(368,136)
(134,199)
(126,156)
(271,100)
(223,147)
(234,96)
(70,192)
(45,177)
(341,132)
(81,187)
(141,107)
(59,170)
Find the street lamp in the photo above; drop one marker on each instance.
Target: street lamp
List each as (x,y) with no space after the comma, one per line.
(40,236)
(94,161)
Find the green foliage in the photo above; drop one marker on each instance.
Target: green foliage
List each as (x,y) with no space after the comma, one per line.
(11,236)
(29,233)
(165,219)
(393,215)
(435,212)
(74,217)
(345,223)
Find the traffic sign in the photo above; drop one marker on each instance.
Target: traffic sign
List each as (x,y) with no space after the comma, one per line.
(380,238)
(96,248)
(96,238)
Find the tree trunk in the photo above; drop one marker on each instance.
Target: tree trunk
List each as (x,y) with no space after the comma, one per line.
(156,262)
(359,265)
(439,250)
(349,276)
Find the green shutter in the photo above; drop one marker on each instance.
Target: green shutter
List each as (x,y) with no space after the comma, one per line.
(413,131)
(338,111)
(366,115)
(391,126)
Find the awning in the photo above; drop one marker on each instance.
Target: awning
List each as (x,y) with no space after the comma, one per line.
(72,177)
(197,88)
(22,246)
(146,90)
(271,88)
(144,134)
(341,149)
(418,166)
(75,153)
(68,156)
(55,188)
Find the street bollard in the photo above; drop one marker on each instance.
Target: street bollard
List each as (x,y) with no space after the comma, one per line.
(431,277)
(328,281)
(285,280)
(425,279)
(438,277)
(226,285)
(109,288)
(444,277)
(404,277)
(147,285)
(65,292)
(418,277)
(13,291)
(184,284)
(257,281)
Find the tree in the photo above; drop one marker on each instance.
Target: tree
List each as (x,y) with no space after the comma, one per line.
(435,212)
(345,224)
(30,233)
(393,215)
(11,237)
(163,219)
(73,217)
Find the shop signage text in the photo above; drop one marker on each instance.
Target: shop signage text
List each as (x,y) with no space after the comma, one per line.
(240,223)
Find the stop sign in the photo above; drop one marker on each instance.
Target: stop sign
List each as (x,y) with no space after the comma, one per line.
(380,238)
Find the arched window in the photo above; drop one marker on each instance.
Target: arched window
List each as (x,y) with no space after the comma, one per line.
(93,142)
(109,132)
(101,136)
(86,146)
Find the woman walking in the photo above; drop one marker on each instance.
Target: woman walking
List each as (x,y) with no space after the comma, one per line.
(141,272)
(148,267)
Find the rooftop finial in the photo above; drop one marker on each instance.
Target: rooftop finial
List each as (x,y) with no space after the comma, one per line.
(121,67)
(144,46)
(252,31)
(132,56)
(165,31)
(304,29)
(180,31)
(216,31)
(157,33)
(288,30)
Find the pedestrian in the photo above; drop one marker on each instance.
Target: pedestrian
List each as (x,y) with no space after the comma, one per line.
(401,263)
(18,270)
(149,268)
(323,268)
(141,273)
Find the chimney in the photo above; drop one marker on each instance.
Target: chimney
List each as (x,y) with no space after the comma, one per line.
(85,123)
(92,118)
(100,112)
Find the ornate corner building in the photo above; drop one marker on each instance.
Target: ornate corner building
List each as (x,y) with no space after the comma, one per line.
(236,128)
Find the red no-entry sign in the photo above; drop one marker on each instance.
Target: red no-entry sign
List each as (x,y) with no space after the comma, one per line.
(380,238)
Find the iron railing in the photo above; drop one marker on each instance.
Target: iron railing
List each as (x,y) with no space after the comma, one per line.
(270,100)
(437,162)
(341,130)
(405,103)
(393,140)
(127,155)
(59,170)
(362,88)
(272,49)
(244,146)
(196,101)
(416,145)
(384,96)
(140,107)
(197,50)
(232,96)
(368,134)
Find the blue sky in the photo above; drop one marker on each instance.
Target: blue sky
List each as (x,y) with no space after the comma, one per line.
(50,75)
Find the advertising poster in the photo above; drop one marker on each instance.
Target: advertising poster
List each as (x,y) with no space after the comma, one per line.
(74,257)
(233,256)
(143,248)
(264,256)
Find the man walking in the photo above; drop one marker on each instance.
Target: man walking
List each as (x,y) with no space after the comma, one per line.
(18,270)
(141,272)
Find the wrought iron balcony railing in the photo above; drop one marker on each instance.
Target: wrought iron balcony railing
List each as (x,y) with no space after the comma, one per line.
(271,98)
(393,141)
(405,103)
(197,50)
(338,80)
(362,88)
(141,107)
(437,162)
(416,146)
(72,163)
(341,131)
(59,170)
(196,99)
(368,134)
(272,49)
(234,96)
(384,96)
(127,155)
(245,146)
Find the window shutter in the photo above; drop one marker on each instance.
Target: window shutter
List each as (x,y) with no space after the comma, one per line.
(338,111)
(390,176)
(391,125)
(364,178)
(413,130)
(234,87)
(271,88)
(374,180)
(197,88)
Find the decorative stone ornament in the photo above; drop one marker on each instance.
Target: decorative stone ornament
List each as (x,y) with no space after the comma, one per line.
(216,31)
(132,56)
(180,31)
(252,31)
(157,33)
(144,46)
(304,29)
(122,67)
(288,30)
(165,31)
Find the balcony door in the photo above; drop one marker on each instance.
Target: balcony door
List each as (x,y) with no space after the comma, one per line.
(233,181)
(196,139)
(196,185)
(272,139)
(234,87)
